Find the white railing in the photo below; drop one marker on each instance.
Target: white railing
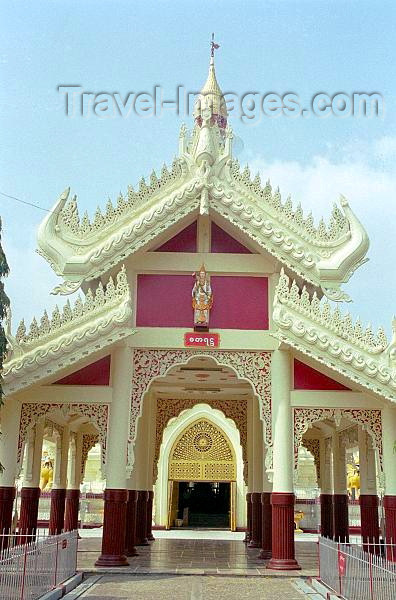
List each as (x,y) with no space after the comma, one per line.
(358,572)
(30,566)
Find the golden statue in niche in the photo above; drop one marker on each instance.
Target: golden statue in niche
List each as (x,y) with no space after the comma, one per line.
(46,475)
(202,299)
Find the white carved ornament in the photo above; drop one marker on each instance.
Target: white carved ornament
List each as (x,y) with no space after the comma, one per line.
(91,324)
(254,367)
(96,413)
(205,177)
(369,419)
(317,330)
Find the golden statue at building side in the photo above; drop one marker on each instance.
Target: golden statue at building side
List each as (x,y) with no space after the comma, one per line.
(202,299)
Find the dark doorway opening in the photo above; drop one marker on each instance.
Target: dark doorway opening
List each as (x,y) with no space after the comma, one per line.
(204,504)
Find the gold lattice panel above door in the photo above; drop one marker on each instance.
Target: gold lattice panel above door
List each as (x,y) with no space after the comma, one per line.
(202,453)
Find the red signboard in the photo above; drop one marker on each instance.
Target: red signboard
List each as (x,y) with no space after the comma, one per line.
(202,340)
(341,563)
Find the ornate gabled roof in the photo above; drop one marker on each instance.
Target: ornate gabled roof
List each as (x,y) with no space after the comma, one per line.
(333,339)
(204,179)
(99,320)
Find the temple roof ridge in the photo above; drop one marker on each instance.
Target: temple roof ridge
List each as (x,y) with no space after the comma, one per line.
(333,338)
(105,312)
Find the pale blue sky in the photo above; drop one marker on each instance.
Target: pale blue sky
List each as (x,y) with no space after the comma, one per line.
(119,46)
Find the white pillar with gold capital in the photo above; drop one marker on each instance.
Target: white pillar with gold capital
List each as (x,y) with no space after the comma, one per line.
(282,497)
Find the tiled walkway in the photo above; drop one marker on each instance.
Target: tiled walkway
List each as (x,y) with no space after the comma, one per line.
(172,587)
(208,553)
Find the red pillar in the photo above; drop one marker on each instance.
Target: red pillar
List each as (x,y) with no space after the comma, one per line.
(130,531)
(266,526)
(7,496)
(255,541)
(141,519)
(340,518)
(114,522)
(149,535)
(283,557)
(326,515)
(390,526)
(369,518)
(57,511)
(248,518)
(29,510)
(71,511)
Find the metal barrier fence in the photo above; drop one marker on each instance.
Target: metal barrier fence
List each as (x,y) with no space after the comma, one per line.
(30,566)
(356,572)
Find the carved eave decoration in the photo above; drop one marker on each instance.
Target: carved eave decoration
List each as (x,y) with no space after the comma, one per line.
(91,324)
(317,330)
(204,179)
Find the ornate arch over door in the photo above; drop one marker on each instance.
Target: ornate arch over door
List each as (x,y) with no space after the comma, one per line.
(202,452)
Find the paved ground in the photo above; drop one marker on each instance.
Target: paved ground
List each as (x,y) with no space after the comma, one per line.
(167,587)
(197,553)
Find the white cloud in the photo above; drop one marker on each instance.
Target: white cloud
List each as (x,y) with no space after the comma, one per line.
(367,177)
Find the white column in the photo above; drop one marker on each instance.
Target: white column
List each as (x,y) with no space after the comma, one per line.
(74,463)
(33,459)
(339,466)
(62,455)
(325,466)
(250,444)
(138,480)
(116,460)
(10,415)
(258,448)
(282,422)
(389,449)
(368,479)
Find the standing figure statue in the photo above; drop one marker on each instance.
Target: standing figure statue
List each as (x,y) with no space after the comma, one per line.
(202,299)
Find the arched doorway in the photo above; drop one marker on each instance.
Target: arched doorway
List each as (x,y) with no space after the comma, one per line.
(202,478)
(180,461)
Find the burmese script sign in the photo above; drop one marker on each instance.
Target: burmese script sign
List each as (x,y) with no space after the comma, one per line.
(206,340)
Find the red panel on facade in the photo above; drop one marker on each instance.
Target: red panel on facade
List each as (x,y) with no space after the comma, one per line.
(307,378)
(184,241)
(224,242)
(239,302)
(98,373)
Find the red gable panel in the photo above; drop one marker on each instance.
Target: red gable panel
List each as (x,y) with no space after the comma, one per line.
(98,373)
(239,302)
(184,241)
(307,378)
(224,242)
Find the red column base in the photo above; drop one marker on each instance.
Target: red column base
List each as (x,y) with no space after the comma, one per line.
(141,519)
(266,526)
(340,515)
(390,526)
(283,557)
(71,510)
(57,512)
(248,533)
(29,510)
(255,541)
(369,518)
(114,522)
(130,532)
(150,536)
(326,515)
(7,496)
